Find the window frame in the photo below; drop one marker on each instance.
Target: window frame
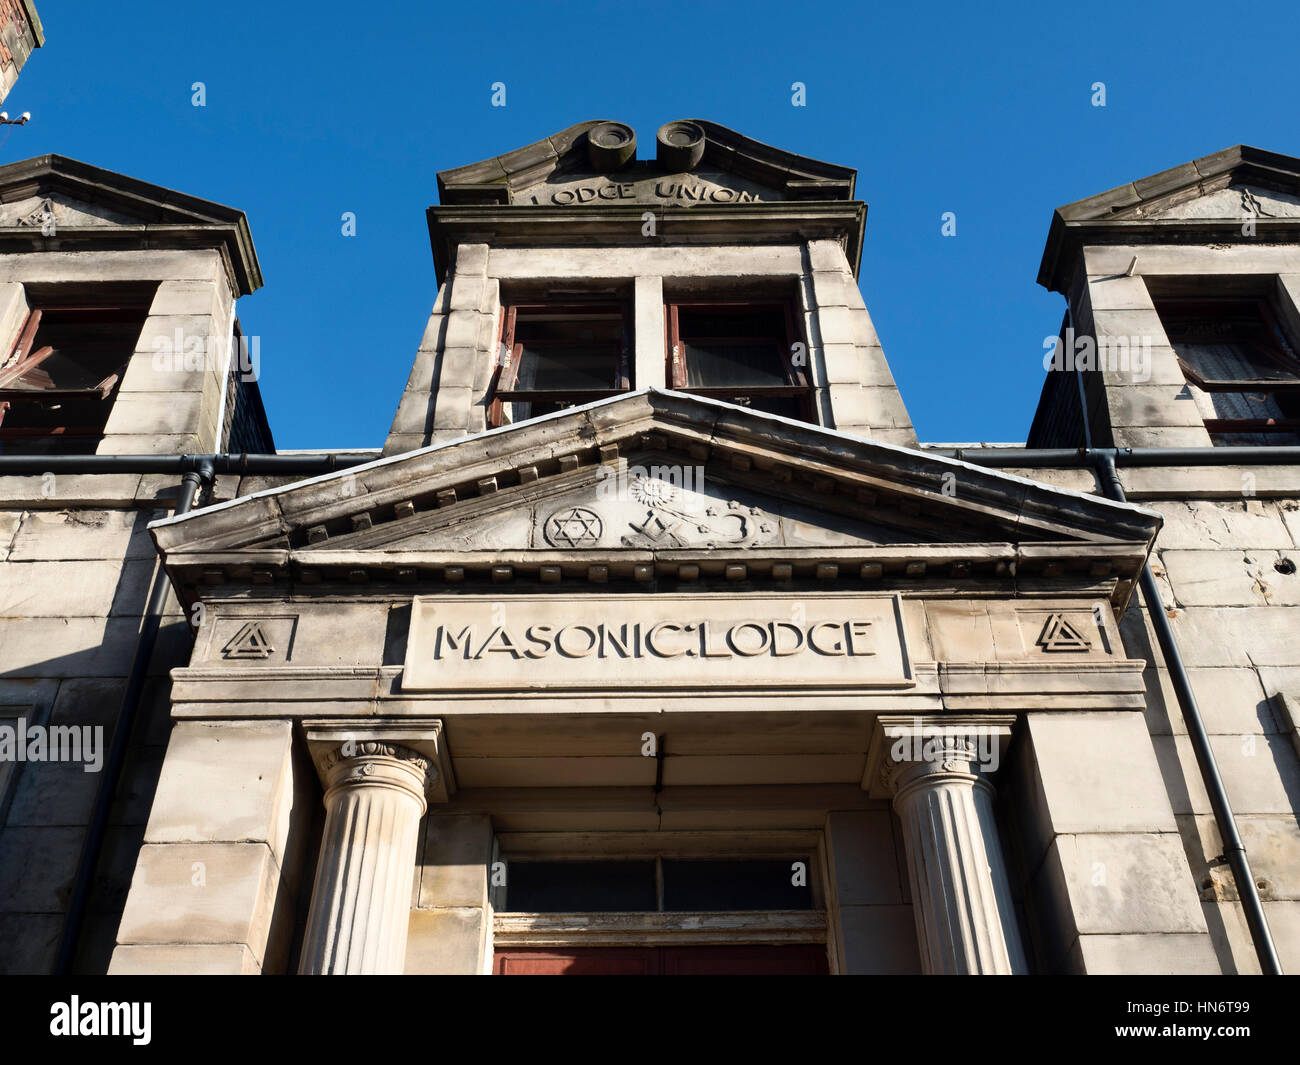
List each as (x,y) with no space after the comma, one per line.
(23,359)
(1274,353)
(505,371)
(798,382)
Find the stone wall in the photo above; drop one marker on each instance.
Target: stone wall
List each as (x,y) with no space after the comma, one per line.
(447,392)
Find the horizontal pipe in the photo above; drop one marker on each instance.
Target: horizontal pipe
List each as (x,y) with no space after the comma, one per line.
(1032,457)
(1004,457)
(240,463)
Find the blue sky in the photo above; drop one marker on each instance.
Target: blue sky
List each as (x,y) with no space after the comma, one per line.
(980,109)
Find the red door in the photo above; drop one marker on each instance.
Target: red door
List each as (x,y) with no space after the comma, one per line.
(801,960)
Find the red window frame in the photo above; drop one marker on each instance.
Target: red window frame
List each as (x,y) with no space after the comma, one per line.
(1275,353)
(23,360)
(798,385)
(505,374)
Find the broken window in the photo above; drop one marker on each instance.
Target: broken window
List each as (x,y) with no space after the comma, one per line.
(58,382)
(1240,368)
(744,353)
(554,357)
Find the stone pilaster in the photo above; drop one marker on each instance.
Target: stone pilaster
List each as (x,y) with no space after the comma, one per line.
(376,793)
(937,775)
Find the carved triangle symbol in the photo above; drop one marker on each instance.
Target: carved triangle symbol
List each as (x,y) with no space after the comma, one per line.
(1059,635)
(249,642)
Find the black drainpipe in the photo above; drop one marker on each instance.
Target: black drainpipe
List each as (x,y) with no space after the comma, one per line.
(198,473)
(1103,462)
(1233,848)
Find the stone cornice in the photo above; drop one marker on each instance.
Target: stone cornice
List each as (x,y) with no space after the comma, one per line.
(953,521)
(160,217)
(743,223)
(1122,215)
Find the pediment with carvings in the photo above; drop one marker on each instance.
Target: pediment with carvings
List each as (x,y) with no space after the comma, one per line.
(53,203)
(660,486)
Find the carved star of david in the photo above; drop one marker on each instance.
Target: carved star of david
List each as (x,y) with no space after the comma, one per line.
(575,527)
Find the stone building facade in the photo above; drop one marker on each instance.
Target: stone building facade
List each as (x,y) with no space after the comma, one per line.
(653,641)
(21,33)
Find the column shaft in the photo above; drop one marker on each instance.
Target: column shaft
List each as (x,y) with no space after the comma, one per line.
(361,900)
(961,895)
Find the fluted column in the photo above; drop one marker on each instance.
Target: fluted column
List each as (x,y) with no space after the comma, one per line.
(375,796)
(961,895)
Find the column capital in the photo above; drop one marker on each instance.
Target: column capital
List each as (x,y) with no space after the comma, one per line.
(908,749)
(408,753)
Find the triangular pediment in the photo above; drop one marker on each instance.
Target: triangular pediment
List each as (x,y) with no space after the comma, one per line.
(52,202)
(656,483)
(1208,199)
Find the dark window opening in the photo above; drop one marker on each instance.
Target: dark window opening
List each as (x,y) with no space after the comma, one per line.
(657,886)
(58,383)
(745,353)
(245,427)
(1240,367)
(556,357)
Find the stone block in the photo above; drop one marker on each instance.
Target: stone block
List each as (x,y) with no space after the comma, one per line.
(1123,884)
(214,893)
(143,443)
(195,959)
(1230,578)
(827,255)
(1238,636)
(1272,845)
(458,367)
(37,866)
(73,534)
(1096,772)
(226,782)
(861,851)
(449,941)
(9,522)
(62,266)
(1160,436)
(451,410)
(457,850)
(463,329)
(57,793)
(1208,524)
(412,414)
(165,413)
(471,260)
(70,490)
(65,589)
(878,941)
(66,646)
(31,943)
(468,292)
(1119,293)
(1232,702)
(831,288)
(1159,955)
(190,298)
(1261,774)
(649,331)
(1151,406)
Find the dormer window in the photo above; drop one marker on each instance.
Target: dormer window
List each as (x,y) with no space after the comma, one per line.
(58,382)
(744,353)
(1240,368)
(557,356)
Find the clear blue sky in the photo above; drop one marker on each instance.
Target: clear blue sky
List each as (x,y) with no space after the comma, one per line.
(982,109)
